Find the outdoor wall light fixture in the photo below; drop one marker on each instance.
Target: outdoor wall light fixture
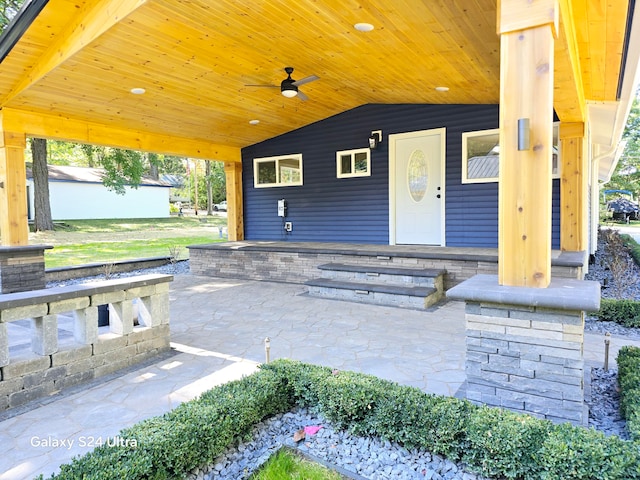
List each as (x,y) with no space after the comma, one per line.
(523,134)
(375,139)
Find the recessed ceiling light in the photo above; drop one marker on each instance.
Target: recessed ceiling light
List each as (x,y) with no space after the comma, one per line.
(254,122)
(442,89)
(363,27)
(138,91)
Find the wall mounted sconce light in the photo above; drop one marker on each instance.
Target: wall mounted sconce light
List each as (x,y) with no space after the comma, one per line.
(375,139)
(523,134)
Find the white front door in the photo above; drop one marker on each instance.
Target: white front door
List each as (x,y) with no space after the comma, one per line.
(416,187)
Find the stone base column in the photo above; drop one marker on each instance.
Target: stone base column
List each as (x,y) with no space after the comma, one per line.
(525,345)
(22,268)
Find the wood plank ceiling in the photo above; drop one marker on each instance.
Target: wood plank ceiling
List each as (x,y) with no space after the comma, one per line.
(195,58)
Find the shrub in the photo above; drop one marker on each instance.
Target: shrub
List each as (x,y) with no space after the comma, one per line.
(580,453)
(633,246)
(494,442)
(491,441)
(629,382)
(191,435)
(624,312)
(504,443)
(617,258)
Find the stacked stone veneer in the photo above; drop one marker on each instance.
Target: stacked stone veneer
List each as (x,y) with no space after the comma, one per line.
(22,268)
(525,345)
(56,358)
(297,262)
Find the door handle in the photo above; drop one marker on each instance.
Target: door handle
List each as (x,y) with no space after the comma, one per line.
(438,196)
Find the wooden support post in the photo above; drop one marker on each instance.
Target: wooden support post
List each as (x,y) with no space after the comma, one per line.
(574,186)
(527,32)
(14,227)
(235,214)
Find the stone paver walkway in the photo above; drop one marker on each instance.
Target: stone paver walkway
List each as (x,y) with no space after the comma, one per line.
(218,329)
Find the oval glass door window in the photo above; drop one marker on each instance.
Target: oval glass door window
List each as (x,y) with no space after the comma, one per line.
(417,175)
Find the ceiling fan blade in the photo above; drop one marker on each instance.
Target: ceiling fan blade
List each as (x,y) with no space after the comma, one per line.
(304,80)
(302,96)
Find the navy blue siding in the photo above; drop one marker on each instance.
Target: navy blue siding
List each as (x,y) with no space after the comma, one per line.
(356,210)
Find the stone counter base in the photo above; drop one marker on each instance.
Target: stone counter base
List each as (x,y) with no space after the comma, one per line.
(525,345)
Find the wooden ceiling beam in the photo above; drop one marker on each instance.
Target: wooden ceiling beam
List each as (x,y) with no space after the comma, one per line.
(64,128)
(91,21)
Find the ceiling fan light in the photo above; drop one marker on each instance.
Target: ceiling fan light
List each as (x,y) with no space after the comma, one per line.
(290,91)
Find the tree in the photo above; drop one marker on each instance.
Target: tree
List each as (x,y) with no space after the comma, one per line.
(8,10)
(207,176)
(42,219)
(122,167)
(627,173)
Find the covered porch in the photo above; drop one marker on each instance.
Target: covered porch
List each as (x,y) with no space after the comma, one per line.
(188,89)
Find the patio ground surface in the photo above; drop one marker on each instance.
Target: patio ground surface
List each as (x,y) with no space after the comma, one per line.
(218,327)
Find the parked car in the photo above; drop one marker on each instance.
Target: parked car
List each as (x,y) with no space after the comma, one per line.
(220,207)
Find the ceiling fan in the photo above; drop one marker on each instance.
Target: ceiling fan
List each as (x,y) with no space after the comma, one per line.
(289,86)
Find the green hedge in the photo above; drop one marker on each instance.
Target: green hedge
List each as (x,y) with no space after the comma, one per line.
(624,312)
(629,382)
(633,246)
(191,435)
(494,442)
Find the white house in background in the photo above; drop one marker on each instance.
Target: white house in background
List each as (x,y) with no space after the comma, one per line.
(77,193)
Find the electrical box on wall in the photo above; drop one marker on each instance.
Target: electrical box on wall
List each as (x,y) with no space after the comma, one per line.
(282,208)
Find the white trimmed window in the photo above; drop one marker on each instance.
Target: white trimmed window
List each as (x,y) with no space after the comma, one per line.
(280,171)
(481,155)
(353,163)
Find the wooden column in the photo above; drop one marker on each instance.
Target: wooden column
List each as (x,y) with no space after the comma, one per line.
(14,227)
(235,213)
(527,31)
(574,229)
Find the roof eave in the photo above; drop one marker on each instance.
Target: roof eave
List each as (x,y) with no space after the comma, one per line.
(608,119)
(20,23)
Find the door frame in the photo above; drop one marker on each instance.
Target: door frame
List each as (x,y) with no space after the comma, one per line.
(392,178)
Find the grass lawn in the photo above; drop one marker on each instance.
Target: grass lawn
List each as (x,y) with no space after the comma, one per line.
(78,242)
(286,465)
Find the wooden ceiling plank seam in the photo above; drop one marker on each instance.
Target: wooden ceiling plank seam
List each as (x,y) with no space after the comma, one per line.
(84,28)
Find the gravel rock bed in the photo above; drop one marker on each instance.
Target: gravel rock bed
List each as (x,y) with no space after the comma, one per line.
(604,404)
(368,457)
(177,268)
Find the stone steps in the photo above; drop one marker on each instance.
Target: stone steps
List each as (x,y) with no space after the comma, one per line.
(379,284)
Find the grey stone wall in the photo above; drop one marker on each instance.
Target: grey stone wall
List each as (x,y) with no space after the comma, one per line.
(525,345)
(22,268)
(32,376)
(283,262)
(526,359)
(58,358)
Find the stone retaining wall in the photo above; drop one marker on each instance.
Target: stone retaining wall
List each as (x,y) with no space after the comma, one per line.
(285,262)
(54,357)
